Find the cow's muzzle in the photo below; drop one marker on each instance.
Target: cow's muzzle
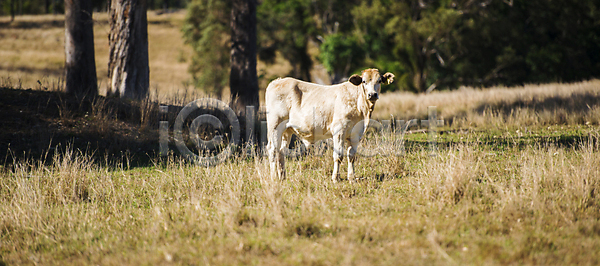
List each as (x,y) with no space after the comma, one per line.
(373,96)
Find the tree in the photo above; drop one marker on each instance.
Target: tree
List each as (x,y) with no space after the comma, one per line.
(128,69)
(531,41)
(428,44)
(80,65)
(243,81)
(223,36)
(12,10)
(417,34)
(209,35)
(287,26)
(341,55)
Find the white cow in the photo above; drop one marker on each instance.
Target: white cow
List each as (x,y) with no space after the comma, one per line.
(316,112)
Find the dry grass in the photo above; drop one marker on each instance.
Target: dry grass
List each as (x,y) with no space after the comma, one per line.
(491,196)
(547,104)
(515,181)
(472,204)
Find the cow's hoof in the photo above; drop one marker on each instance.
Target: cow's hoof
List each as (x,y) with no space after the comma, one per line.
(352,180)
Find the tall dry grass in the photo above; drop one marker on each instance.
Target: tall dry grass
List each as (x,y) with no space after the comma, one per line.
(471,204)
(545,104)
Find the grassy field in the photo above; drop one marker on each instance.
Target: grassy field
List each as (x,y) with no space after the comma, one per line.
(506,187)
(515,179)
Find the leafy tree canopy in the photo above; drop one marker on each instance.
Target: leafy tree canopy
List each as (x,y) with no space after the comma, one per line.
(428,44)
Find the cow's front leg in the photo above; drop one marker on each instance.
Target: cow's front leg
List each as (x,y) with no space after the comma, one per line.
(338,153)
(351,160)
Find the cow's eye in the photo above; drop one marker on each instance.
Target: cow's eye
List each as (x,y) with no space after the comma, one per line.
(364,81)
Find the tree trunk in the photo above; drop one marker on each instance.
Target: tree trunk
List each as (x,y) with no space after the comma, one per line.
(128,70)
(12,10)
(243,80)
(305,65)
(80,63)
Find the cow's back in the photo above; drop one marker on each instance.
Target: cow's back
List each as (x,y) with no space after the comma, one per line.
(289,94)
(305,105)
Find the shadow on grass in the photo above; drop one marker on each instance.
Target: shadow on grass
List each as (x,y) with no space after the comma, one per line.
(42,24)
(36,123)
(577,105)
(50,71)
(488,141)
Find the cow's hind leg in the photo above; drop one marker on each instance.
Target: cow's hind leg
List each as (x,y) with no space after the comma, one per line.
(285,142)
(276,158)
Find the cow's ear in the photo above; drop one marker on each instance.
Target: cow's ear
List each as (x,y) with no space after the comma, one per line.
(355,79)
(387,78)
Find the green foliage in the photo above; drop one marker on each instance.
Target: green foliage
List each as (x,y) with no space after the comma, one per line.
(164,4)
(22,7)
(530,41)
(376,43)
(427,44)
(290,26)
(452,43)
(341,54)
(206,29)
(287,27)
(415,40)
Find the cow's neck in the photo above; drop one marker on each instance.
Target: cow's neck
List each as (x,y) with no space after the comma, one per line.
(364,105)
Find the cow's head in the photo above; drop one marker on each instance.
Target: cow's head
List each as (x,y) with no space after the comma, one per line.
(371,81)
